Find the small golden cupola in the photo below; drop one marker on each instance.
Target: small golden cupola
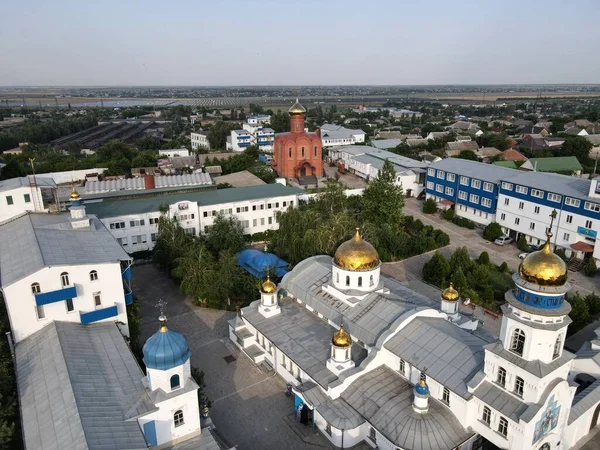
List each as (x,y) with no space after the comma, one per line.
(297,108)
(268,287)
(74,194)
(450,294)
(356,254)
(544,267)
(341,338)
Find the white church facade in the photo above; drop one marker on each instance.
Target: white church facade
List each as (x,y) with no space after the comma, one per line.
(371,360)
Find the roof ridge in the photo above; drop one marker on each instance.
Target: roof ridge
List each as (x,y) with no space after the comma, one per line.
(38,247)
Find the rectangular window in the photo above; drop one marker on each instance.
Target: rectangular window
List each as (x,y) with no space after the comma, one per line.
(262,220)
(136,223)
(486,202)
(566,236)
(450,177)
(430,185)
(97,299)
(502,216)
(474,198)
(489,187)
(507,186)
(521,205)
(446,396)
(117,225)
(122,241)
(373,435)
(154,220)
(569,218)
(439,188)
(431,172)
(501,376)
(588,224)
(441,174)
(517,220)
(328,428)
(532,226)
(205,214)
(537,193)
(27,198)
(503,426)
(554,197)
(269,205)
(69,303)
(284,204)
(487,415)
(588,205)
(270,221)
(476,184)
(462,195)
(519,386)
(9,200)
(506,201)
(536,210)
(153,236)
(449,191)
(402,367)
(572,202)
(464,181)
(139,239)
(254,222)
(521,189)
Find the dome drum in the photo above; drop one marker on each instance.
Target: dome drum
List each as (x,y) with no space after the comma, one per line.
(542,303)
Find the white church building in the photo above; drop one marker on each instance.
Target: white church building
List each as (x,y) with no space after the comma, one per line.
(371,360)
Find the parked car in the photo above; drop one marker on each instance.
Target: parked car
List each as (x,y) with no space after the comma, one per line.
(503,240)
(523,255)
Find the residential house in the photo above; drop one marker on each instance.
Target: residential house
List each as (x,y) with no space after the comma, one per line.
(576,131)
(512,155)
(533,130)
(437,135)
(559,164)
(455,148)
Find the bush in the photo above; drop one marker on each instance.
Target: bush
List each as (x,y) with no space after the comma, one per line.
(590,268)
(503,267)
(441,238)
(436,270)
(429,206)
(492,231)
(522,243)
(561,252)
(462,222)
(593,302)
(484,258)
(449,214)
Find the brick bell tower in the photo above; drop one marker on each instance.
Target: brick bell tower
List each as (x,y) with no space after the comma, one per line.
(298,153)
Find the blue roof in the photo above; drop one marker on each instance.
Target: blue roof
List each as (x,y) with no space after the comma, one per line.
(258,262)
(165,350)
(422,389)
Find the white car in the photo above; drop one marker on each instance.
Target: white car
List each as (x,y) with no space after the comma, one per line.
(503,240)
(523,255)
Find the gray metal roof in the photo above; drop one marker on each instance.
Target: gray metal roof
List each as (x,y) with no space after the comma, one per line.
(449,354)
(121,207)
(36,240)
(204,441)
(302,336)
(506,404)
(361,151)
(26,181)
(387,143)
(338,132)
(165,181)
(480,171)
(584,401)
(370,317)
(537,367)
(384,398)
(76,383)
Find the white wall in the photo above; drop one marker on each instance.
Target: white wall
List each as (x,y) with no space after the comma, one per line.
(19,205)
(71,175)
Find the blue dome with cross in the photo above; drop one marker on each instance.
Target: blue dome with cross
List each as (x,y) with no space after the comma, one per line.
(166,349)
(422,388)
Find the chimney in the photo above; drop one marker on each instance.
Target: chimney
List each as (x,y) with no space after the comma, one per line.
(318,131)
(149,182)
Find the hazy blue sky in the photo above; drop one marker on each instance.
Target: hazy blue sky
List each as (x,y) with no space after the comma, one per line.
(250,42)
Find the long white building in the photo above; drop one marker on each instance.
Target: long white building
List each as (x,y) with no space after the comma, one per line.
(29,193)
(336,135)
(134,221)
(370,360)
(522,202)
(366,161)
(200,140)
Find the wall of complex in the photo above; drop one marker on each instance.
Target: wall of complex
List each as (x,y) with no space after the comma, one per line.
(17,201)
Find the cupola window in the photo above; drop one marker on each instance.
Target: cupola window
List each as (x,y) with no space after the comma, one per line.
(557,347)
(519,385)
(35,288)
(64,279)
(174,382)
(501,380)
(487,414)
(517,343)
(93,275)
(178,418)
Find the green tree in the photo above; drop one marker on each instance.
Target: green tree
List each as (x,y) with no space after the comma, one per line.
(590,268)
(218,133)
(522,243)
(461,258)
(459,279)
(449,214)
(429,206)
(593,302)
(579,147)
(383,200)
(333,199)
(468,154)
(436,270)
(225,234)
(280,122)
(484,258)
(580,313)
(492,231)
(144,159)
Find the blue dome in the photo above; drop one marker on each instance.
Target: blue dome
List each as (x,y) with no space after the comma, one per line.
(422,388)
(166,349)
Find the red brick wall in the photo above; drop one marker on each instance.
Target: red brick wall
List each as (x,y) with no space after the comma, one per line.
(289,158)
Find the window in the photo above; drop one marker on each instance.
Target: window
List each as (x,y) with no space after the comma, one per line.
(536,210)
(35,288)
(439,188)
(476,184)
(9,200)
(441,174)
(254,222)
(446,396)
(27,198)
(337,277)
(178,418)
(39,310)
(122,242)
(430,185)
(566,236)
(507,186)
(347,280)
(64,279)
(315,150)
(486,202)
(402,367)
(137,223)
(303,152)
(153,236)
(489,187)
(373,435)
(537,193)
(154,220)
(569,219)
(93,275)
(262,221)
(521,205)
(572,202)
(503,426)
(141,238)
(449,191)
(328,428)
(554,197)
(97,299)
(371,280)
(521,189)
(501,379)
(359,281)
(462,195)
(506,201)
(502,216)
(290,152)
(431,172)
(464,181)
(588,205)
(532,226)
(487,415)
(270,220)
(474,198)
(519,385)
(517,343)
(174,381)
(69,303)
(588,224)
(450,177)
(205,214)
(117,225)
(517,220)
(557,347)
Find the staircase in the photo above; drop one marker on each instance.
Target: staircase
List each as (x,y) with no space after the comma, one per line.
(575,264)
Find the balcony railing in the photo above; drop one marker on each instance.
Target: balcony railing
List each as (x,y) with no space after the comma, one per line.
(45,298)
(99,314)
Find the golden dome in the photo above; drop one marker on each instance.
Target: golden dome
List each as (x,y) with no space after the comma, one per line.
(450,294)
(297,108)
(356,254)
(544,267)
(74,194)
(341,338)
(268,287)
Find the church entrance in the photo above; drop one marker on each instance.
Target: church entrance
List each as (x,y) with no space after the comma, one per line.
(305,170)
(595,417)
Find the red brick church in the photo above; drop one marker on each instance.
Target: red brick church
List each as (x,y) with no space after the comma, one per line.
(298,153)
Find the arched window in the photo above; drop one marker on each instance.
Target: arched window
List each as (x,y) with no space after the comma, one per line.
(359,281)
(557,347)
(487,414)
(64,279)
(303,152)
(371,280)
(337,277)
(315,150)
(501,376)
(519,385)
(503,426)
(517,343)
(347,280)
(93,275)
(347,354)
(35,288)
(178,418)
(290,152)
(174,381)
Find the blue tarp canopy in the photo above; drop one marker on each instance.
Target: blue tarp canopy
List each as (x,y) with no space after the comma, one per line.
(258,262)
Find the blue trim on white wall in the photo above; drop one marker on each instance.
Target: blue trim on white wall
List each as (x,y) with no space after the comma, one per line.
(99,314)
(128,298)
(45,298)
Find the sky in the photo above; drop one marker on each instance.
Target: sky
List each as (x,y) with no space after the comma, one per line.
(310,42)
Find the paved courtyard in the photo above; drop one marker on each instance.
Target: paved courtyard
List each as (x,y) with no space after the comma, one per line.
(249,408)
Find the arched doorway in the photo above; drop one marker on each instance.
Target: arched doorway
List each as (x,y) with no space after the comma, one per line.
(546,446)
(306,170)
(595,417)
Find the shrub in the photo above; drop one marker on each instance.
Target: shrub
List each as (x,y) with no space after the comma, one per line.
(417,225)
(462,222)
(590,268)
(441,238)
(522,243)
(503,267)
(470,294)
(492,231)
(429,206)
(593,302)
(484,258)
(561,252)
(449,214)
(436,270)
